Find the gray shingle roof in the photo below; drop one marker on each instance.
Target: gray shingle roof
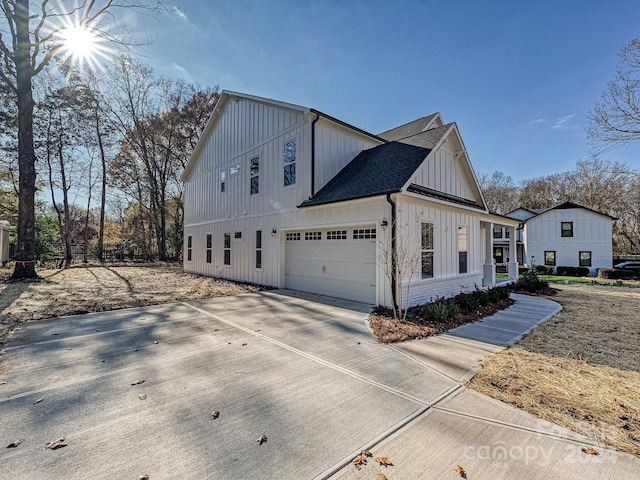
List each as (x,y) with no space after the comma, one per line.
(408,129)
(379,170)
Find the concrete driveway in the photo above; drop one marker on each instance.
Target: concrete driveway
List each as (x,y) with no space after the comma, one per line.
(300,369)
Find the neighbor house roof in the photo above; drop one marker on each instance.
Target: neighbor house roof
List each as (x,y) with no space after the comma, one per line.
(562,206)
(379,170)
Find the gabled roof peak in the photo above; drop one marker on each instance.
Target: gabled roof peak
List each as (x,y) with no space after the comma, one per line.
(414,127)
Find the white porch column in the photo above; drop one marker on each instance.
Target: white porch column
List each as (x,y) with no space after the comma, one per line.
(512,267)
(489,267)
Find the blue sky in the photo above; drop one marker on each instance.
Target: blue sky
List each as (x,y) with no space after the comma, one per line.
(519,78)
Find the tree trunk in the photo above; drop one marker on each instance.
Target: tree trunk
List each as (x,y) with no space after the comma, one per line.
(104,189)
(25,255)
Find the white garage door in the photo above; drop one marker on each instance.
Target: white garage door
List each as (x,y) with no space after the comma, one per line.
(337,262)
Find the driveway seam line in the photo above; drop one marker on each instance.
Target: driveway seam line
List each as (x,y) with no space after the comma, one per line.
(313,357)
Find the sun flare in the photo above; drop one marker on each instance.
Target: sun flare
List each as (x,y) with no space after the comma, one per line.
(81,45)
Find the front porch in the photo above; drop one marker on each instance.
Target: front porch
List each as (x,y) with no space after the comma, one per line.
(500,244)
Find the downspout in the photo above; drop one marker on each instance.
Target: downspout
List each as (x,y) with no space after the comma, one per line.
(393,253)
(313,155)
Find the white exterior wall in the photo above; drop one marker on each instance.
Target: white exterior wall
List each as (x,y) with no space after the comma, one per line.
(591,232)
(335,149)
(446,220)
(441,172)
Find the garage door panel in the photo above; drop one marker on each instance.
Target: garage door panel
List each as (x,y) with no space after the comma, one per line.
(340,268)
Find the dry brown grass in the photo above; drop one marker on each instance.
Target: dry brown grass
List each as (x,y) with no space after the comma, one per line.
(99,288)
(580,369)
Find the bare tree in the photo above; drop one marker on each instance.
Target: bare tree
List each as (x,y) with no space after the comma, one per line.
(500,192)
(29,41)
(615,119)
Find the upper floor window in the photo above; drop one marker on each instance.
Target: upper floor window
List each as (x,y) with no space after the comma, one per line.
(426,250)
(497,232)
(289,158)
(234,170)
(223,181)
(254,180)
(566,229)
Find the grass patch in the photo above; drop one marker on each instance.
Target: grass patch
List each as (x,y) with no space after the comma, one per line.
(580,369)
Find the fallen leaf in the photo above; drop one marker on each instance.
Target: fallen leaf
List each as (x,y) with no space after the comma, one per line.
(3,383)
(366,453)
(244,344)
(142,396)
(138,382)
(57,444)
(383,461)
(215,414)
(381,476)
(38,400)
(16,443)
(261,439)
(144,477)
(461,471)
(590,451)
(359,460)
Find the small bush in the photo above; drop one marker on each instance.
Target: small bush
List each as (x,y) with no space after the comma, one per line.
(530,282)
(544,270)
(614,273)
(522,269)
(440,311)
(467,302)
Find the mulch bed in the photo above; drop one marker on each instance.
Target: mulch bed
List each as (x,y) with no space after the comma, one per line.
(389,330)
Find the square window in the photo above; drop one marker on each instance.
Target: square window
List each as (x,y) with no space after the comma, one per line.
(585,259)
(497,232)
(550,258)
(566,229)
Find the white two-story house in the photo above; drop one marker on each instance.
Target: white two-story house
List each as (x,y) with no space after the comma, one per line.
(283,195)
(567,235)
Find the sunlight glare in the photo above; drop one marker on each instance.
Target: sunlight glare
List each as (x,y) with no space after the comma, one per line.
(81,44)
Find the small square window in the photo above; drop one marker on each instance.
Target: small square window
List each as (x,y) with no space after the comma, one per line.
(237,236)
(550,258)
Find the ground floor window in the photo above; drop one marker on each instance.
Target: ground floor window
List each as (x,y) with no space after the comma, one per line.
(585,259)
(550,258)
(463,250)
(227,249)
(189,245)
(209,245)
(427,250)
(259,249)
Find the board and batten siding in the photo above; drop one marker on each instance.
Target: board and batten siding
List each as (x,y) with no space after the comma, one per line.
(591,232)
(446,220)
(335,149)
(442,172)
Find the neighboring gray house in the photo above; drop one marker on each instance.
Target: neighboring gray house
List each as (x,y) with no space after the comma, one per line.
(565,235)
(284,195)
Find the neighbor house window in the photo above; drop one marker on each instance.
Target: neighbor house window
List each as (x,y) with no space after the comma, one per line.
(566,229)
(550,258)
(223,181)
(254,181)
(227,249)
(427,250)
(463,249)
(258,248)
(497,232)
(209,242)
(289,157)
(313,235)
(189,247)
(364,233)
(585,259)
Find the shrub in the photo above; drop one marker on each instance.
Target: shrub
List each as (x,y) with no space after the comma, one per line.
(497,294)
(440,310)
(522,269)
(530,283)
(467,302)
(614,273)
(544,270)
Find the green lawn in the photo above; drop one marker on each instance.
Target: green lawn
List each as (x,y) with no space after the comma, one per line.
(581,280)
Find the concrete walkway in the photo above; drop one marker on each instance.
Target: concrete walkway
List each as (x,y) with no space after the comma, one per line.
(302,369)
